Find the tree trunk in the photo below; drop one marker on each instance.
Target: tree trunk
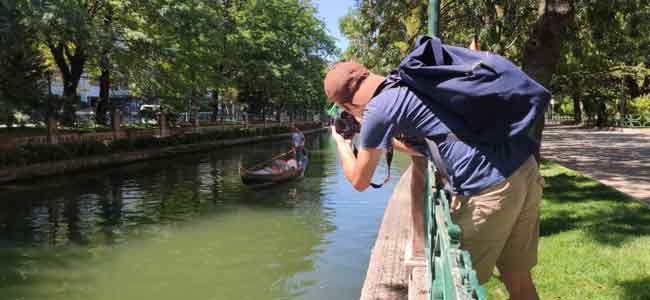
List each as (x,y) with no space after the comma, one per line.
(104,90)
(71,66)
(577,110)
(214,104)
(645,86)
(105,77)
(51,130)
(116,122)
(542,51)
(633,88)
(10,118)
(195,109)
(622,106)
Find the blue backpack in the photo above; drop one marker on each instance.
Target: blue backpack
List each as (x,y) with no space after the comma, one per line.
(489,98)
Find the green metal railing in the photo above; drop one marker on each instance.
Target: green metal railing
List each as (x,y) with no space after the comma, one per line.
(450,268)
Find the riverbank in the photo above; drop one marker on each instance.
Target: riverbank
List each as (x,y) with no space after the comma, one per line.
(11,174)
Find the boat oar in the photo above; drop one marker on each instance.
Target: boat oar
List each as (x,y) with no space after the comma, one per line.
(272,159)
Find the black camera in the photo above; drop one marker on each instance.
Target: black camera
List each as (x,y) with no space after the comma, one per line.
(346,125)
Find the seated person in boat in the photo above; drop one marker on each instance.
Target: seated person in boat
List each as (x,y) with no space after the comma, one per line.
(278,166)
(292,163)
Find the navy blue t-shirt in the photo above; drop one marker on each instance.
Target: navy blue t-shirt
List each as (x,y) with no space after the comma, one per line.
(473,167)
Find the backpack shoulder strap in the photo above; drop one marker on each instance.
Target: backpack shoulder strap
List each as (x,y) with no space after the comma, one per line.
(441,167)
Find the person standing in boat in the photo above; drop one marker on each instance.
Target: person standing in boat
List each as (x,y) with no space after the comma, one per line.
(298,143)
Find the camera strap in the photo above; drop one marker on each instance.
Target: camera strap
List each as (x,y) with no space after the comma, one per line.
(389,160)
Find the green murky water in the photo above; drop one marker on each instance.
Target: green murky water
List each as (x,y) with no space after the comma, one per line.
(186,228)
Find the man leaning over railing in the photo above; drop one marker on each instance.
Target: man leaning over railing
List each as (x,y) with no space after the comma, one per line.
(495,181)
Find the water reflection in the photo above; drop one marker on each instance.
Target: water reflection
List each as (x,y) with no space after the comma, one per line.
(185,228)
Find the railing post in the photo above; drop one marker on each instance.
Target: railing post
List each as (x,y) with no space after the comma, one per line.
(450,268)
(162,123)
(116,122)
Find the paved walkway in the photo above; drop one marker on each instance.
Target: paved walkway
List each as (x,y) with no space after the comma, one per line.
(620,159)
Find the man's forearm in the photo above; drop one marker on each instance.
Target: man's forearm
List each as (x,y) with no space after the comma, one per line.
(358,170)
(348,160)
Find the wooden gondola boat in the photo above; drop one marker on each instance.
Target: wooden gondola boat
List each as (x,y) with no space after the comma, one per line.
(255,176)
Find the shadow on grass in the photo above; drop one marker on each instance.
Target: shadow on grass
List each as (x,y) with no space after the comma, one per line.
(637,289)
(564,188)
(573,202)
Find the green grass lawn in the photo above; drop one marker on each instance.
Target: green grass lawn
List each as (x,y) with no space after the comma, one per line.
(594,242)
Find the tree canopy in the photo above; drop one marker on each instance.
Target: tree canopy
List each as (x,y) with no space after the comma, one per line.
(21,62)
(597,53)
(268,54)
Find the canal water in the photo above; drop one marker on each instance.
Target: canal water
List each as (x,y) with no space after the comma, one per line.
(187,228)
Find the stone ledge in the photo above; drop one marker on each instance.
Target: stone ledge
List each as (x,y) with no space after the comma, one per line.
(419,284)
(386,278)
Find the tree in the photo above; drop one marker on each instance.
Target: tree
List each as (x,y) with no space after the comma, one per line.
(177,46)
(381,32)
(108,43)
(605,57)
(21,63)
(543,50)
(281,50)
(271,54)
(68,29)
(115,32)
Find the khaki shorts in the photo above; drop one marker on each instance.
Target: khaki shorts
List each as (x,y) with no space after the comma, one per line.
(500,225)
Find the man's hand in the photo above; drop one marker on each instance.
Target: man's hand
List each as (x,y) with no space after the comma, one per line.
(357,170)
(399,146)
(339,138)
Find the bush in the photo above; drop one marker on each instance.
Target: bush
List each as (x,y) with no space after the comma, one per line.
(251,132)
(565,106)
(85,148)
(640,106)
(231,133)
(13,157)
(92,128)
(215,135)
(45,153)
(121,145)
(145,142)
(168,141)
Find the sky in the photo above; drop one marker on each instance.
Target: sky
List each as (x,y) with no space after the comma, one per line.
(330,11)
